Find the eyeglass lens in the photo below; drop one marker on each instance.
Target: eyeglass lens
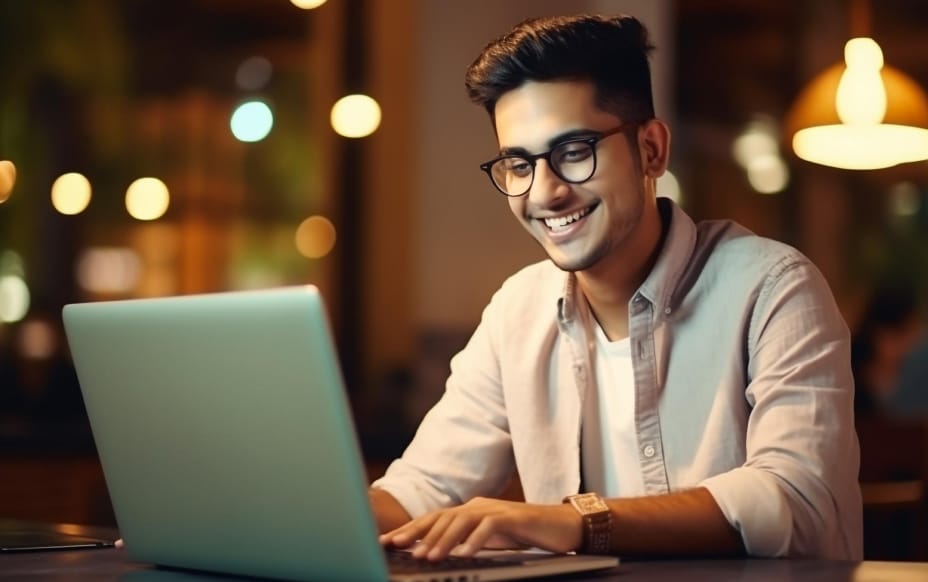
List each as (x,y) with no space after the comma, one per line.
(572,161)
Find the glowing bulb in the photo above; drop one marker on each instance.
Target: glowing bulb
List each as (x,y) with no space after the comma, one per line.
(307,4)
(252,121)
(863,53)
(861,98)
(147,199)
(71,193)
(355,116)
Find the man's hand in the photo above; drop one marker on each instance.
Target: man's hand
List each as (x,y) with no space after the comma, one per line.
(489,523)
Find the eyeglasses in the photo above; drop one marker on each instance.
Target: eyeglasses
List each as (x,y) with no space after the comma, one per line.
(572,160)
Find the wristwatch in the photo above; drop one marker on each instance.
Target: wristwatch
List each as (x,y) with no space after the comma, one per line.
(597,522)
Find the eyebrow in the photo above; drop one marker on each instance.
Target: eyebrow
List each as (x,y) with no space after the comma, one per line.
(552,143)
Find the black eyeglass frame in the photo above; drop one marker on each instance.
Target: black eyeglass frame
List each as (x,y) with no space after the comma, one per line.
(532,159)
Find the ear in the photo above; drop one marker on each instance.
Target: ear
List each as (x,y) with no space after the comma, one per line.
(654,146)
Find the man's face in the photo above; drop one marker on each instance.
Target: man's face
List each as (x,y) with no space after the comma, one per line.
(578,225)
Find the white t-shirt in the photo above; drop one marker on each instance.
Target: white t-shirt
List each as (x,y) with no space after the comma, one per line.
(610,444)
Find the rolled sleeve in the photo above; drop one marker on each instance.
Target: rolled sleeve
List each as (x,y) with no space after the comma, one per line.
(755,505)
(797,492)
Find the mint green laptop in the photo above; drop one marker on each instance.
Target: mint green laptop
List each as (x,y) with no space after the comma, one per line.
(227,442)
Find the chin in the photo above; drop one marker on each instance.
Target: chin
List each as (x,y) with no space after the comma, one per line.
(575,264)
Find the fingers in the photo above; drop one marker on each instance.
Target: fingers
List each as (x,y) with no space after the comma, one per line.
(409,533)
(433,535)
(477,539)
(461,530)
(448,532)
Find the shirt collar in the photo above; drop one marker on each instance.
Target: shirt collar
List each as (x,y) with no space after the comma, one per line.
(677,249)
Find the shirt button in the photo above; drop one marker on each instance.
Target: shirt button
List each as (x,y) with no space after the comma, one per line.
(648,451)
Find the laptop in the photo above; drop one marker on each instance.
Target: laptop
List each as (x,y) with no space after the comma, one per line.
(228,445)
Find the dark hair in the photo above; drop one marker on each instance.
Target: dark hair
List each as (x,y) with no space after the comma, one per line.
(611,52)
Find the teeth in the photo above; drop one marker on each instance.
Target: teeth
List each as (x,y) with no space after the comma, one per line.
(560,222)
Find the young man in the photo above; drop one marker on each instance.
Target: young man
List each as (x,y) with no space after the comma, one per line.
(692,380)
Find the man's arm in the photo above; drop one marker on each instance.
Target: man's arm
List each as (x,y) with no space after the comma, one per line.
(687,523)
(388,513)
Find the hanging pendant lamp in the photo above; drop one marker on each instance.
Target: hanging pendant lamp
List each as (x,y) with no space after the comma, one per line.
(861,114)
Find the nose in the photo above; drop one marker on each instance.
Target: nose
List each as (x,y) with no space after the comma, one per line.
(547,188)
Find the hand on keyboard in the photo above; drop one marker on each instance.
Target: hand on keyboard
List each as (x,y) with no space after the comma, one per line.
(489,523)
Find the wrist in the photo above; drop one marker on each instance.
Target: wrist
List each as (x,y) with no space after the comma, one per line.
(596,522)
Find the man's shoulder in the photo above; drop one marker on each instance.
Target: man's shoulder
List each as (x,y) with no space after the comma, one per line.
(730,246)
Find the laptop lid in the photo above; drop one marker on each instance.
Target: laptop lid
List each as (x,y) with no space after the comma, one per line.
(224,433)
(227,442)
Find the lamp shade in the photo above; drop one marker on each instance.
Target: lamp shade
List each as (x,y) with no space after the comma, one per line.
(817,133)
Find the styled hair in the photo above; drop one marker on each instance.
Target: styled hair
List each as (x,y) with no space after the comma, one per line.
(611,52)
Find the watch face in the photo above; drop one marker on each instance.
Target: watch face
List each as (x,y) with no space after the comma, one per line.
(589,503)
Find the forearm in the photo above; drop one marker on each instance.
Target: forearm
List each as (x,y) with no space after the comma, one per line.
(388,513)
(688,523)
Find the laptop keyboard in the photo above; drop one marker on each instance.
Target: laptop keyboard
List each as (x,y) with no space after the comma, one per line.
(402,562)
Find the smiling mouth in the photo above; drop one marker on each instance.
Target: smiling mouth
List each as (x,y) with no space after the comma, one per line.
(559,223)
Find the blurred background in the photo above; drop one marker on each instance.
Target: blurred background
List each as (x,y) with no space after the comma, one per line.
(156,148)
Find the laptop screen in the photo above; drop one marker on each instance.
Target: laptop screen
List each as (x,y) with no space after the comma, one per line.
(224,433)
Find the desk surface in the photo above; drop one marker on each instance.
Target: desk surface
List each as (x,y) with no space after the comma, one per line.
(115,564)
(112,564)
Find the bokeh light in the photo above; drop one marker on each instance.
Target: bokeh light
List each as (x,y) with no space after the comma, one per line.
(315,237)
(251,121)
(11,263)
(768,174)
(147,199)
(7,179)
(355,116)
(14,298)
(757,150)
(71,193)
(37,339)
(253,73)
(904,199)
(307,4)
(109,270)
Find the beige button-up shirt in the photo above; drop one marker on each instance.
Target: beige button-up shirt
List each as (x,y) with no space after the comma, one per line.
(742,386)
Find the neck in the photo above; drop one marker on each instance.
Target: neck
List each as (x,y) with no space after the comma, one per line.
(610,284)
